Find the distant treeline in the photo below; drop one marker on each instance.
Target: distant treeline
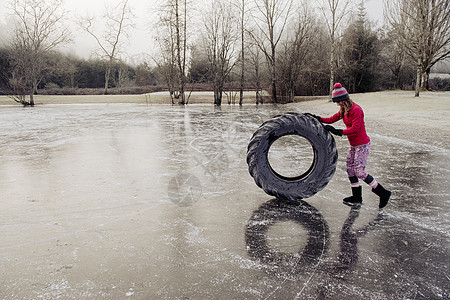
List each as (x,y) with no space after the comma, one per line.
(69,75)
(66,74)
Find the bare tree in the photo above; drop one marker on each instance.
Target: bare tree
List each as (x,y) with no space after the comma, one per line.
(243,10)
(334,12)
(423,27)
(118,21)
(122,77)
(271,17)
(254,55)
(294,52)
(181,38)
(437,38)
(39,30)
(166,61)
(172,39)
(393,56)
(219,41)
(70,68)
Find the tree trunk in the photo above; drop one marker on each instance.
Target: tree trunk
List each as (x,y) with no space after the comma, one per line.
(423,81)
(33,92)
(241,90)
(183,96)
(258,85)
(171,96)
(418,77)
(217,96)
(274,77)
(107,74)
(331,70)
(31,98)
(179,60)
(333,43)
(396,77)
(425,76)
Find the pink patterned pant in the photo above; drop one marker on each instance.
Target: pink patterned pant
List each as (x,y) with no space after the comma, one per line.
(357,160)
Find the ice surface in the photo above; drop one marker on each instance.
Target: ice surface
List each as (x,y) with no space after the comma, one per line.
(147,202)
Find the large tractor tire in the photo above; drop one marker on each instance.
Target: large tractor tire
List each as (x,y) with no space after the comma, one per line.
(302,186)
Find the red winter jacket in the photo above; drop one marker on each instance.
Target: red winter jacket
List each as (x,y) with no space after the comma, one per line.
(354,120)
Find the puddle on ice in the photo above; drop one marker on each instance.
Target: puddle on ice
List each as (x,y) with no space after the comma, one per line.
(156,202)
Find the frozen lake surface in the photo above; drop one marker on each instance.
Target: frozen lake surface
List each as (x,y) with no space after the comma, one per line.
(155,202)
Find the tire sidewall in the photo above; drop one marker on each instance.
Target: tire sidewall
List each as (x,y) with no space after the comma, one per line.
(323,147)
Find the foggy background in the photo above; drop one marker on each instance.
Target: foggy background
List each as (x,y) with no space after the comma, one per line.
(142,36)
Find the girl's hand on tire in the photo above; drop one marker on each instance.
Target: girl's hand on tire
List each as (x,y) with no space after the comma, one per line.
(319,118)
(333,130)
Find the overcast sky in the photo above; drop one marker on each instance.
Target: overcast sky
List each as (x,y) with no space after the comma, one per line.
(145,11)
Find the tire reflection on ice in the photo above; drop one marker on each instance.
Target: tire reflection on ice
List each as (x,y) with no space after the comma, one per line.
(276,211)
(308,217)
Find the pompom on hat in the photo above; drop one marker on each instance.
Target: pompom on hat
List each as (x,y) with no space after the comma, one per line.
(339,93)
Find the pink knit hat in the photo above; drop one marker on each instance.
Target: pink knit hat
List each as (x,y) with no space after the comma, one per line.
(339,93)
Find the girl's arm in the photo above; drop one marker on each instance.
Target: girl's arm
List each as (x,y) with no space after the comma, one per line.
(334,118)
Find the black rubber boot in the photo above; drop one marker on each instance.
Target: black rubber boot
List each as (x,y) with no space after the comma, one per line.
(383,194)
(356,197)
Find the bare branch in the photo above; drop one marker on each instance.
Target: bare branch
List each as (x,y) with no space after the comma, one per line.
(118,21)
(38,31)
(271,18)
